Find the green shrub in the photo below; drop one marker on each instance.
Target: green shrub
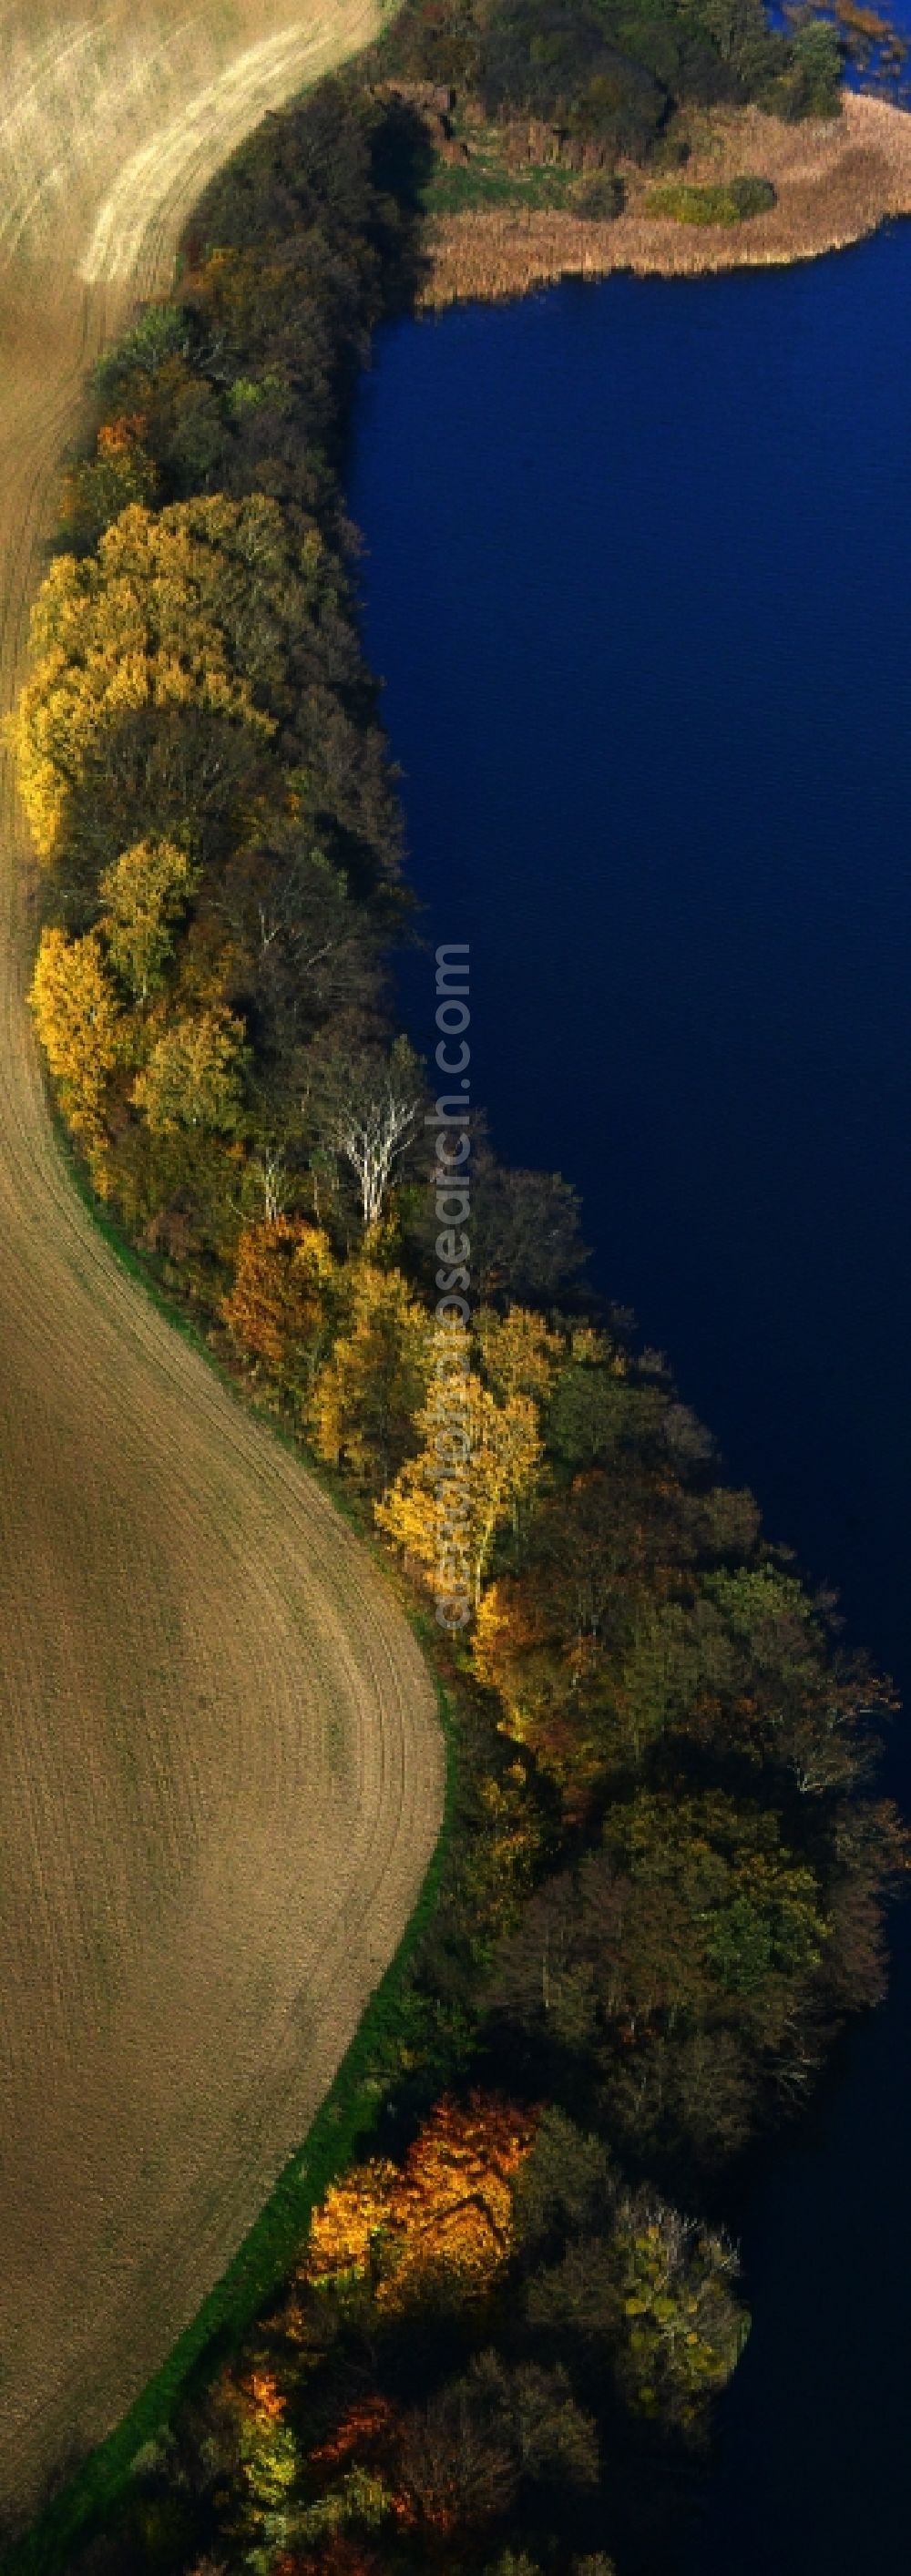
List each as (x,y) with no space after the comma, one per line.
(600,196)
(723,201)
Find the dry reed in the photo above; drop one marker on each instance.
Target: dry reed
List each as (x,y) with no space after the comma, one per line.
(834,182)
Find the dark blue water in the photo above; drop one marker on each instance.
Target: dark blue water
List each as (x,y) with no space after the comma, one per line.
(639,580)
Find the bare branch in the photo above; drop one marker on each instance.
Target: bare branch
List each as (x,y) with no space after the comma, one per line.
(372,1136)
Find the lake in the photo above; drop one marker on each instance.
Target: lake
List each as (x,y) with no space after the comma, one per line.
(638,577)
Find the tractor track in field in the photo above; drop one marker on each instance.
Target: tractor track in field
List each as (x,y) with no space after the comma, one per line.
(221,1774)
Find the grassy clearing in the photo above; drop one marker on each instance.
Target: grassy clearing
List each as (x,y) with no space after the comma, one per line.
(484,182)
(489,183)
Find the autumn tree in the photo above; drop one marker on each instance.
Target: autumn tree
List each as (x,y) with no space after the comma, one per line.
(630,1623)
(280,1307)
(456,2462)
(583,1639)
(149,374)
(682,1967)
(193,1078)
(146,892)
(654,2296)
(477,1462)
(682,2327)
(362,2497)
(519,1652)
(97,489)
(504,1854)
(453,2206)
(463,2458)
(367,1396)
(265,2466)
(354,2216)
(519,1354)
(81,1028)
(160,617)
(621,2278)
(439,2224)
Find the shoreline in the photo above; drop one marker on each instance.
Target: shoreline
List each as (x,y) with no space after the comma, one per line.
(835,183)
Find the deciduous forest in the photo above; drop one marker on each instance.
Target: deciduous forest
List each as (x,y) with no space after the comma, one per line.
(665,1877)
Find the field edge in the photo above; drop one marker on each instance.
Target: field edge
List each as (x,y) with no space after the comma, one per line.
(347,2113)
(344,2122)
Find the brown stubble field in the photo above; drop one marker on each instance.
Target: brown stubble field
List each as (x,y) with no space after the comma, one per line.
(221,1773)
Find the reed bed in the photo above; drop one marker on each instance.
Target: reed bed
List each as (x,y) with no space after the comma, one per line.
(834,182)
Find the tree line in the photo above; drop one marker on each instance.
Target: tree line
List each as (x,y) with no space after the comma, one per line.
(664,1887)
(618,72)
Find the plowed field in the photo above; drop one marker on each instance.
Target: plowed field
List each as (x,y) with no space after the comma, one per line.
(220,1769)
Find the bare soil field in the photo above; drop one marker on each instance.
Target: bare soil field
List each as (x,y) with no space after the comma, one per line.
(220,1767)
(834,181)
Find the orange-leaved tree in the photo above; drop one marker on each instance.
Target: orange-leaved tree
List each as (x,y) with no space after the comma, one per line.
(442,2220)
(281,1305)
(453,2205)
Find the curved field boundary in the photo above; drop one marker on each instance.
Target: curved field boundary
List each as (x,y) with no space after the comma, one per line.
(342,2127)
(221,1770)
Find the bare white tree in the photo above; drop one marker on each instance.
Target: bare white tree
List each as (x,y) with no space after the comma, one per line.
(372,1132)
(273,1180)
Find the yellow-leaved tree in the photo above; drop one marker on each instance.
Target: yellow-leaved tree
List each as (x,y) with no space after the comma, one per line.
(82,1030)
(194,1076)
(520,1354)
(477,1461)
(355,2215)
(155,618)
(146,892)
(366,1398)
